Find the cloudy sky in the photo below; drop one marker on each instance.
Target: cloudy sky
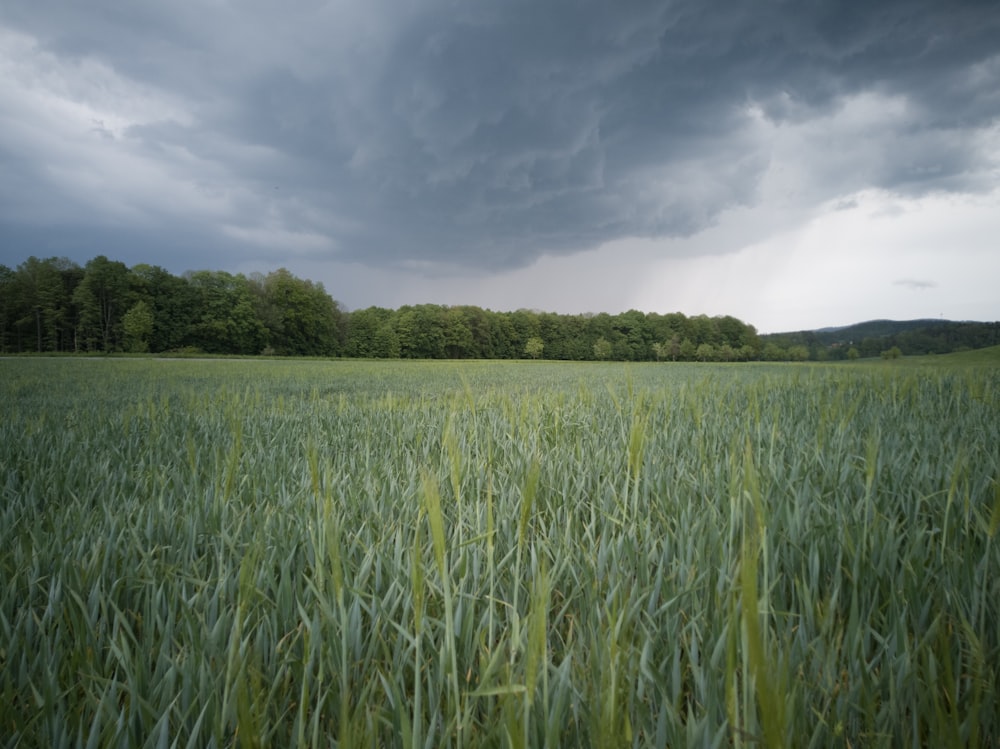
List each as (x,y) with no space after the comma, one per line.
(794,164)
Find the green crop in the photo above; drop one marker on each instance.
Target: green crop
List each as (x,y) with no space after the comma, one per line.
(268,553)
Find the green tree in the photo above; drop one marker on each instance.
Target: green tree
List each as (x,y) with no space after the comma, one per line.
(706,352)
(704,329)
(798,353)
(458,343)
(363,327)
(38,308)
(504,336)
(736,333)
(481,331)
(892,353)
(674,347)
(534,347)
(170,299)
(688,350)
(386,342)
(299,317)
(102,298)
(556,331)
(773,352)
(138,327)
(35,281)
(225,321)
(421,331)
(670,327)
(525,325)
(632,336)
(602,349)
(852,353)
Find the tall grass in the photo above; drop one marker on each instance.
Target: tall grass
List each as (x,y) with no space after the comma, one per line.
(517,554)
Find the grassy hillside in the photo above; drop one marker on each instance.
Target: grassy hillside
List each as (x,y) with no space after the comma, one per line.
(989,356)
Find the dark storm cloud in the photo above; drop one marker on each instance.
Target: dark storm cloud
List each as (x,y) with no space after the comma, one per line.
(484,134)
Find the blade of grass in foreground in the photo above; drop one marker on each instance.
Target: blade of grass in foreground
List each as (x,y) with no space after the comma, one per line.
(768,686)
(432,506)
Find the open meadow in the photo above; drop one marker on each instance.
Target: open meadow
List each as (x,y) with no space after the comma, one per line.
(353,553)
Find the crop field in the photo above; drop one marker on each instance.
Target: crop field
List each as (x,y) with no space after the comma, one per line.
(526,554)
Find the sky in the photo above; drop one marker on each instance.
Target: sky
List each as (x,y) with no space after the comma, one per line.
(794,164)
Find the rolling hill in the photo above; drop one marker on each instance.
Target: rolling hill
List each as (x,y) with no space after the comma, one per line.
(911,337)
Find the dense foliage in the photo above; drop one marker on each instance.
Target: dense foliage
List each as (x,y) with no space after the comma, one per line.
(54,305)
(268,553)
(431,331)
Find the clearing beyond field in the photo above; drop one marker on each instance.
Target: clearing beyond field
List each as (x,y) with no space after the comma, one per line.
(279,553)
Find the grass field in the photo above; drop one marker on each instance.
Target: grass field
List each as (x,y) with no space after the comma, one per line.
(271,553)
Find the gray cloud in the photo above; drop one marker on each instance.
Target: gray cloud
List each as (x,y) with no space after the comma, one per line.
(477,135)
(915,284)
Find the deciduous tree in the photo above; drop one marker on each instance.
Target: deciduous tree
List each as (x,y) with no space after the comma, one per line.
(138,327)
(226,322)
(534,347)
(299,317)
(102,298)
(602,349)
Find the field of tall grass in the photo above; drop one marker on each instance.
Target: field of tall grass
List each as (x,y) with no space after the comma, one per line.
(267,553)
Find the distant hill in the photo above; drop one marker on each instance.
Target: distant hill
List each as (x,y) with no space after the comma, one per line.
(870,338)
(877,329)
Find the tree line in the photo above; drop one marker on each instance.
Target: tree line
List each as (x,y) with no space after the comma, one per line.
(55,305)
